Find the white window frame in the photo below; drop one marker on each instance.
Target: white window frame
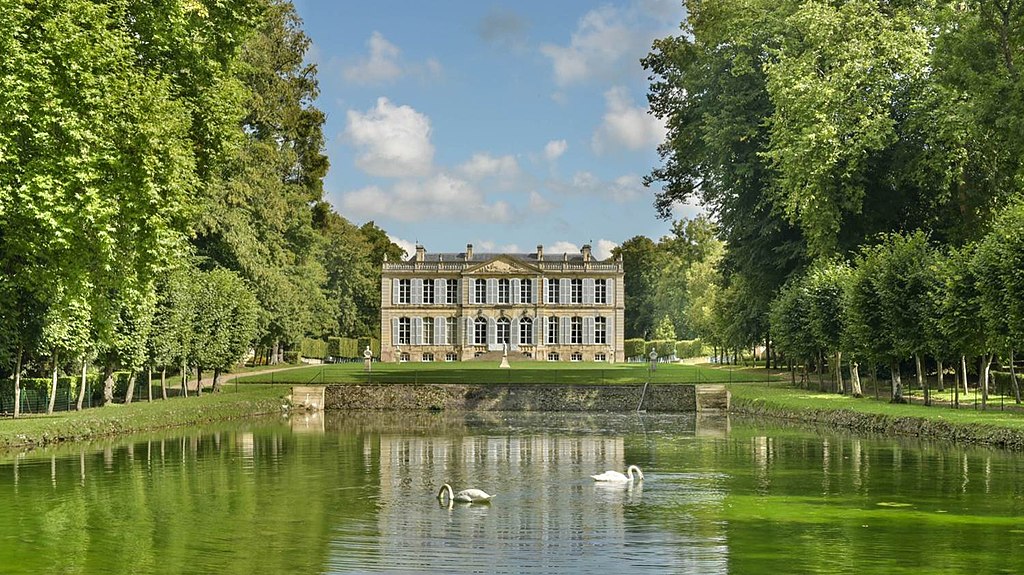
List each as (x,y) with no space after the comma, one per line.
(601,291)
(451,325)
(404,331)
(428,292)
(428,330)
(552,332)
(451,291)
(504,291)
(601,330)
(405,291)
(427,357)
(576,291)
(480,291)
(554,291)
(526,331)
(525,291)
(553,356)
(503,331)
(576,330)
(480,331)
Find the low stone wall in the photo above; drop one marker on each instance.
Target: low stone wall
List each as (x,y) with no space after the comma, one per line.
(888,425)
(498,397)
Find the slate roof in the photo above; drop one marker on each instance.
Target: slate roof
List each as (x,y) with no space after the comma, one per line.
(485,256)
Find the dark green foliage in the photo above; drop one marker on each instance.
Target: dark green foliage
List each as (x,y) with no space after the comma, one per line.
(635,347)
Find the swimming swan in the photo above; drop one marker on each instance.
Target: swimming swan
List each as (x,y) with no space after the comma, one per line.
(464,496)
(616,476)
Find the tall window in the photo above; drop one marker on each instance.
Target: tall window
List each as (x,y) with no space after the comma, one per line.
(428,330)
(504,291)
(526,291)
(600,330)
(504,331)
(428,291)
(526,331)
(450,324)
(600,291)
(404,331)
(576,291)
(480,291)
(553,291)
(480,331)
(451,291)
(552,330)
(404,291)
(576,330)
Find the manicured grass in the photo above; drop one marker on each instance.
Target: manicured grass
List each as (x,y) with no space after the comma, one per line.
(788,399)
(520,373)
(118,419)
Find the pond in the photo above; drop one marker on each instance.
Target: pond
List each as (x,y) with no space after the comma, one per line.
(356,493)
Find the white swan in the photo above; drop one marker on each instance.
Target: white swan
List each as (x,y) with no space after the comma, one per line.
(618,477)
(464,496)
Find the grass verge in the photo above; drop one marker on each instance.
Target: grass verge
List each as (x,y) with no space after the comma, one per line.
(118,419)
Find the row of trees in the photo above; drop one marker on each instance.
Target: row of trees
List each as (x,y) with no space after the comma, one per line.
(161,169)
(812,132)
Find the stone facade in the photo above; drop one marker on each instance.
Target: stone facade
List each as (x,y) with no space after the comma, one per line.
(457,306)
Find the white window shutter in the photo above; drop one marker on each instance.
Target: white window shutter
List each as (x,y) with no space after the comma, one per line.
(565,336)
(439,329)
(394,331)
(610,297)
(514,336)
(544,290)
(588,330)
(588,291)
(563,290)
(492,331)
(467,330)
(417,331)
(515,290)
(394,291)
(417,291)
(492,290)
(540,330)
(440,291)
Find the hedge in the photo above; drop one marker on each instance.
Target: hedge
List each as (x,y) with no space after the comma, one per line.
(690,348)
(634,348)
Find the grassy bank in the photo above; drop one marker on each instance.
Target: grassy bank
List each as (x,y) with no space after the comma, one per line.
(1001,428)
(233,402)
(522,372)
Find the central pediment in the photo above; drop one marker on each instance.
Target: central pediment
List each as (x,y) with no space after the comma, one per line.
(502,265)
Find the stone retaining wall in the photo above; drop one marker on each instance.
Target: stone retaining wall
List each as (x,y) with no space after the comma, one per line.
(498,397)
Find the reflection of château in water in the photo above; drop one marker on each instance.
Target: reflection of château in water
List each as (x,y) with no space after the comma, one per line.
(538,482)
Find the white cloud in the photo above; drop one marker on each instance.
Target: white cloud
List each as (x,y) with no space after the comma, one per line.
(603,249)
(394,141)
(626,126)
(623,189)
(607,42)
(559,248)
(554,149)
(409,247)
(482,166)
(439,197)
(488,246)
(379,66)
(384,64)
(538,204)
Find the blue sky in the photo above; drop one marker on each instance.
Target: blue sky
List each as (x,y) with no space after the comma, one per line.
(501,124)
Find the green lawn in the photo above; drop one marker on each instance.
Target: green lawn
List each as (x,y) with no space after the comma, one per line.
(519,373)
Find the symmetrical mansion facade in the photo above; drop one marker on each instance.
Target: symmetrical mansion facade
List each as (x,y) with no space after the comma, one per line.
(453,307)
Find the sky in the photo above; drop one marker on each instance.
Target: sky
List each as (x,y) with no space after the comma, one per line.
(506,125)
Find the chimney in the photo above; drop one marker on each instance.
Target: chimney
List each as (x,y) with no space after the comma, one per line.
(469,252)
(586,252)
(540,253)
(421,253)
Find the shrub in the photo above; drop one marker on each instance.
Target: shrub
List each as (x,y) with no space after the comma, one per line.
(313,348)
(334,346)
(291,357)
(634,348)
(350,348)
(690,348)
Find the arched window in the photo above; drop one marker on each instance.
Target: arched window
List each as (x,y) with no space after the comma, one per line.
(480,331)
(504,333)
(525,331)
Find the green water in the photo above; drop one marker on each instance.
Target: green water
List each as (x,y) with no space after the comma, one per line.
(356,494)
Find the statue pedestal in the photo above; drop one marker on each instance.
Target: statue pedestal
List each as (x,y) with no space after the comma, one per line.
(504,362)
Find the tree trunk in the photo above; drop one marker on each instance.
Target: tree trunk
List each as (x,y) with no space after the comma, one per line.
(81,387)
(129,393)
(941,384)
(839,372)
(216,381)
(199,381)
(792,374)
(768,351)
(963,373)
(149,384)
(1013,378)
(53,387)
(163,381)
(273,353)
(921,383)
(986,361)
(897,383)
(184,379)
(855,388)
(17,384)
(108,384)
